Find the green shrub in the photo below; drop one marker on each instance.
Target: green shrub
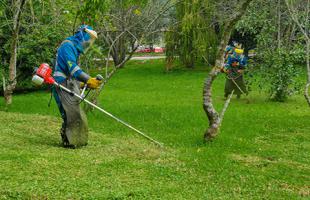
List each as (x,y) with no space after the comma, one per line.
(279,75)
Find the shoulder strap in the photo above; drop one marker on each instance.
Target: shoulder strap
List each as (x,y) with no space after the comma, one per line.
(65,41)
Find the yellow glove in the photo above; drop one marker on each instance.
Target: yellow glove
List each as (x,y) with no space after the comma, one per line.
(93,83)
(82,85)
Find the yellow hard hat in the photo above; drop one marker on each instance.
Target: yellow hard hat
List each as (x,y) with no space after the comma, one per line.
(239,51)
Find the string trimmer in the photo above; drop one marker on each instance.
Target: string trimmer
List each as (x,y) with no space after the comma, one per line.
(44,75)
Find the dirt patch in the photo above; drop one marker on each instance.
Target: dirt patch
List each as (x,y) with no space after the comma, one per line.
(252,160)
(249,159)
(303,191)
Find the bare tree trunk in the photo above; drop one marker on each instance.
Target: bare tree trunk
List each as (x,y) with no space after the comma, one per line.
(308,73)
(308,54)
(214,118)
(279,25)
(119,52)
(304,28)
(54,8)
(4,85)
(32,11)
(12,66)
(212,114)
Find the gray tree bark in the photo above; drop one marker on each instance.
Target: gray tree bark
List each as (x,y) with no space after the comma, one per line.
(279,25)
(304,29)
(306,93)
(215,119)
(9,88)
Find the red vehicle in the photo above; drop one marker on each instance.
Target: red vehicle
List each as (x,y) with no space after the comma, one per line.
(159,50)
(143,49)
(147,50)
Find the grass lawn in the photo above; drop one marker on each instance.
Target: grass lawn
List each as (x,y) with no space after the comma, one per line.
(262,151)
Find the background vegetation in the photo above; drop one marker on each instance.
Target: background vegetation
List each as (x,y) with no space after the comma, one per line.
(261,153)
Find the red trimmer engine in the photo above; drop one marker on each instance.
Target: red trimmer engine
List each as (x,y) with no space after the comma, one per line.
(43,75)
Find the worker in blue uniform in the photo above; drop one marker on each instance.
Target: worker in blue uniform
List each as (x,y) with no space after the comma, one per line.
(74,130)
(234,68)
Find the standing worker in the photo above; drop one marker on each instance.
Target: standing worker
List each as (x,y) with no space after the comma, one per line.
(234,68)
(74,130)
(230,49)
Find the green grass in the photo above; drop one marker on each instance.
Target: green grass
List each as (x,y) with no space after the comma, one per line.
(262,151)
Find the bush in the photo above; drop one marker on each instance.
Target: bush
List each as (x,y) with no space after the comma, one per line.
(279,75)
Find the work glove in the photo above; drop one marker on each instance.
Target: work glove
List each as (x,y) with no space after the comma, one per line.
(93,83)
(82,85)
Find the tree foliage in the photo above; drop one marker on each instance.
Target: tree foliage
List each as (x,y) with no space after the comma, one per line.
(124,24)
(44,24)
(278,48)
(191,35)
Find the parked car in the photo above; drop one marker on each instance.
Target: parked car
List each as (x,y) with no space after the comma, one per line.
(146,49)
(143,49)
(159,50)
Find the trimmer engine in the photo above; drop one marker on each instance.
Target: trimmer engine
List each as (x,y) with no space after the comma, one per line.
(43,74)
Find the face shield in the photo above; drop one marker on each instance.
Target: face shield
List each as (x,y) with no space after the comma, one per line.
(92,37)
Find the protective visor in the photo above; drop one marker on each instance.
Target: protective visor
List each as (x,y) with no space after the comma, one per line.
(90,42)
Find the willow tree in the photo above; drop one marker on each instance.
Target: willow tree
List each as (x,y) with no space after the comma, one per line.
(191,35)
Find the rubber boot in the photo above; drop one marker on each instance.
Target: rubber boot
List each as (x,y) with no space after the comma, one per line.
(64,139)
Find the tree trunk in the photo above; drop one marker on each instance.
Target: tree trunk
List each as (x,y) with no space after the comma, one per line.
(119,52)
(214,118)
(308,73)
(212,114)
(12,66)
(308,53)
(279,25)
(32,11)
(304,28)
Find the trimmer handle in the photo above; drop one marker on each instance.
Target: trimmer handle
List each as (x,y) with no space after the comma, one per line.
(99,77)
(35,70)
